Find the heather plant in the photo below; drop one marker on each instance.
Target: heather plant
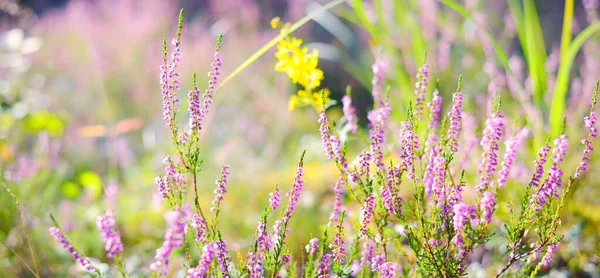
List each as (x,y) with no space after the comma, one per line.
(375,227)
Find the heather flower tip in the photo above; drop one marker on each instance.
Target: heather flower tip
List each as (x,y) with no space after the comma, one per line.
(165,49)
(179,26)
(460,81)
(219,41)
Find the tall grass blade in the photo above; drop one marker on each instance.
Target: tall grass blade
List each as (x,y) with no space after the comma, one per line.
(558,105)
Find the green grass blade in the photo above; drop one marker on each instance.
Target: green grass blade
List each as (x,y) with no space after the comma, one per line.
(359,7)
(501,55)
(557,109)
(566,37)
(274,41)
(517,13)
(536,51)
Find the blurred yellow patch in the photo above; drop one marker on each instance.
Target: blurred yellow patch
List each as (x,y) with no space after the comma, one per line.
(301,66)
(305,98)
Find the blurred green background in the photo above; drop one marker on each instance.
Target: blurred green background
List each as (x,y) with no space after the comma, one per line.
(81,128)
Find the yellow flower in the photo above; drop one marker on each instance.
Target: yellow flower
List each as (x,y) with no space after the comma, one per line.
(275,22)
(301,66)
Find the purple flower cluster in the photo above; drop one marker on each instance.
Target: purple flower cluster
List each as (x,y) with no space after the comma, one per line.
(421,91)
(547,259)
(378,118)
(539,165)
(455,115)
(551,184)
(435,107)
(462,214)
(275,199)
(389,193)
(201,228)
(173,179)
(350,113)
(223,257)
(174,238)
(338,191)
(324,266)
(312,246)
(409,143)
(209,93)
(589,122)
(208,255)
(390,270)
(378,80)
(221,188)
(255,266)
(195,108)
(169,98)
(488,202)
(60,237)
(111,238)
(325,137)
(367,213)
(364,159)
(510,154)
(438,187)
(338,246)
(292,203)
(489,142)
(368,251)
(460,245)
(377,262)
(336,146)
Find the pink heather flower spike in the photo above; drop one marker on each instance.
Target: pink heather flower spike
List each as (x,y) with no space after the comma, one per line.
(589,122)
(221,188)
(338,245)
(550,185)
(435,107)
(312,247)
(409,143)
(325,137)
(368,251)
(66,244)
(324,265)
(547,259)
(213,81)
(201,228)
(275,199)
(297,187)
(377,262)
(194,107)
(455,115)
(336,146)
(378,119)
(350,113)
(488,202)
(208,255)
(378,80)
(338,191)
(539,165)
(174,237)
(438,187)
(512,146)
(421,91)
(111,237)
(367,213)
(462,214)
(489,161)
(223,257)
